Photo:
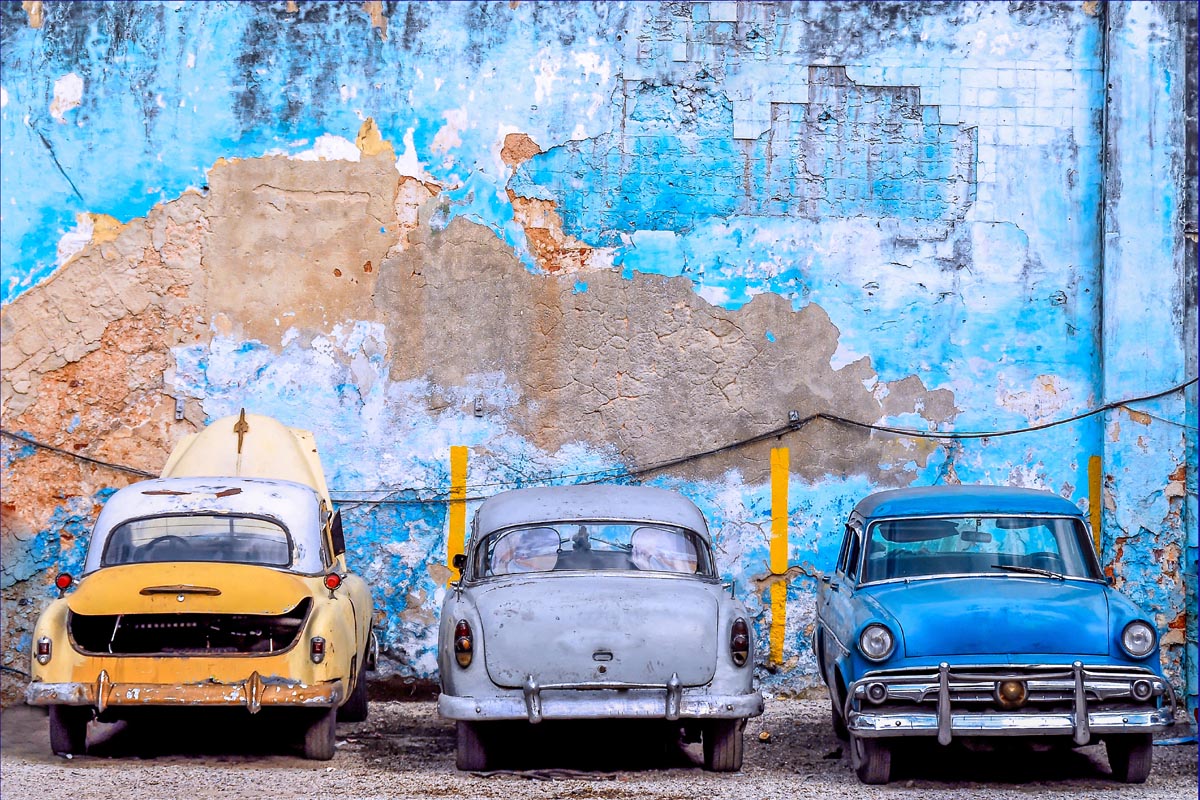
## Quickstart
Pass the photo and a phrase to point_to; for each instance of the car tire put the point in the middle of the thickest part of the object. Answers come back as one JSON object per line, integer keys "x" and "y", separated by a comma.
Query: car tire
{"x": 722, "y": 742}
{"x": 68, "y": 729}
{"x": 320, "y": 739}
{"x": 871, "y": 760}
{"x": 1130, "y": 756}
{"x": 839, "y": 722}
{"x": 471, "y": 751}
{"x": 355, "y": 709}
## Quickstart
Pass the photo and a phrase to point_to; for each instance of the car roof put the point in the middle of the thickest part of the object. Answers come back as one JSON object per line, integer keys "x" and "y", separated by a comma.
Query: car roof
{"x": 960, "y": 499}
{"x": 295, "y": 505}
{"x": 588, "y": 502}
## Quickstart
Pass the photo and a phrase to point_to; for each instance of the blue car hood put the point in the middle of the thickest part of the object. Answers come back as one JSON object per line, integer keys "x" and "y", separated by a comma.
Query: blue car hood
{"x": 1000, "y": 614}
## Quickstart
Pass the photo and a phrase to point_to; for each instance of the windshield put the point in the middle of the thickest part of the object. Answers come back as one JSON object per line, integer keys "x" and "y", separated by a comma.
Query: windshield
{"x": 913, "y": 548}
{"x": 199, "y": 537}
{"x": 630, "y": 546}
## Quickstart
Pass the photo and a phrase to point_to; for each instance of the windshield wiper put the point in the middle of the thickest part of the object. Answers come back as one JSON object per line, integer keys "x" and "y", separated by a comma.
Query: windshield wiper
{"x": 1030, "y": 571}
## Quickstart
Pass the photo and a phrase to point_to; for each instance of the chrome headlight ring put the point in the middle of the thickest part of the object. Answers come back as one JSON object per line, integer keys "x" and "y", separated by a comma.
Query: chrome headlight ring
{"x": 876, "y": 642}
{"x": 1138, "y": 638}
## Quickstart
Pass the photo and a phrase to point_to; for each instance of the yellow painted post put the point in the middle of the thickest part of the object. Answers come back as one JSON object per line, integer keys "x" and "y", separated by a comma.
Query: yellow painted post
{"x": 457, "y": 537}
{"x": 779, "y": 550}
{"x": 1095, "y": 498}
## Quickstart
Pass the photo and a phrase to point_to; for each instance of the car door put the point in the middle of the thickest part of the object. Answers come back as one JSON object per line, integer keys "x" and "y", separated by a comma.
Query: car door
{"x": 836, "y": 608}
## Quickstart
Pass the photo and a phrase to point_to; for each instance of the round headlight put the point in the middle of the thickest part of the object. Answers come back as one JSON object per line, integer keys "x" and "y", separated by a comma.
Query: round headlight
{"x": 1138, "y": 639}
{"x": 876, "y": 642}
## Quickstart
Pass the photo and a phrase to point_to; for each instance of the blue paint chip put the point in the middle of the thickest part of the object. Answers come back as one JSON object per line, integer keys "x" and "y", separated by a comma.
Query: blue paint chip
{"x": 580, "y": 287}
{"x": 770, "y": 336}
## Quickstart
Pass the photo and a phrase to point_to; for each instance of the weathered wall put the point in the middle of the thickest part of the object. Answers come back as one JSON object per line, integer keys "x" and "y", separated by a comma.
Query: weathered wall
{"x": 586, "y": 243}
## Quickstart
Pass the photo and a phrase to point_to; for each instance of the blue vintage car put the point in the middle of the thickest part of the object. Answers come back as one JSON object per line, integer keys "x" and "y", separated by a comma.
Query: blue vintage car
{"x": 981, "y": 611}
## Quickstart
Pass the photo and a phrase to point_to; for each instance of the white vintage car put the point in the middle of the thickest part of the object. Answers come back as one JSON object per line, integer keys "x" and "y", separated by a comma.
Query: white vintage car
{"x": 603, "y": 602}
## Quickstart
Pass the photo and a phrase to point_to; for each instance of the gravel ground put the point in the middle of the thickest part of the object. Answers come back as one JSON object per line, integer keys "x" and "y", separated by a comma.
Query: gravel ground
{"x": 406, "y": 751}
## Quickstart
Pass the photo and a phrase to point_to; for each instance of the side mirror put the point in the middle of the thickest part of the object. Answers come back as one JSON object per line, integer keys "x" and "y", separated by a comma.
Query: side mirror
{"x": 337, "y": 535}
{"x": 459, "y": 562}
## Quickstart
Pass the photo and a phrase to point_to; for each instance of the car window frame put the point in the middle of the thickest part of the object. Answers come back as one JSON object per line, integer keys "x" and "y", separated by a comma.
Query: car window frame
{"x": 264, "y": 517}
{"x": 476, "y": 551}
{"x": 1082, "y": 532}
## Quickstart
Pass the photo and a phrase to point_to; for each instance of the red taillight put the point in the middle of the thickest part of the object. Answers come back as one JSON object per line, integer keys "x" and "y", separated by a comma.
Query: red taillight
{"x": 317, "y": 649}
{"x": 739, "y": 642}
{"x": 463, "y": 645}
{"x": 43, "y": 650}
{"x": 333, "y": 581}
{"x": 63, "y": 581}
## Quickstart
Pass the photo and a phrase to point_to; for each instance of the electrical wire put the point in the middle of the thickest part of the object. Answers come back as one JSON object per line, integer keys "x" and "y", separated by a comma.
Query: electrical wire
{"x": 635, "y": 472}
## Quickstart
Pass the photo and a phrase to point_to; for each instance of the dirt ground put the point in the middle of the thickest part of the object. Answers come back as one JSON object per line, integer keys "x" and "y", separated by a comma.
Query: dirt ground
{"x": 406, "y": 751}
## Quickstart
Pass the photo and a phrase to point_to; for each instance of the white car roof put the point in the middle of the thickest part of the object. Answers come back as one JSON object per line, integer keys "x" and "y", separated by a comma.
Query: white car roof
{"x": 590, "y": 502}
{"x": 293, "y": 505}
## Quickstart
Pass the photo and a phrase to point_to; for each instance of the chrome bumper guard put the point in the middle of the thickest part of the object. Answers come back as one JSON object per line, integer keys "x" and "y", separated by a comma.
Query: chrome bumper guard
{"x": 1089, "y": 691}
{"x": 536, "y": 702}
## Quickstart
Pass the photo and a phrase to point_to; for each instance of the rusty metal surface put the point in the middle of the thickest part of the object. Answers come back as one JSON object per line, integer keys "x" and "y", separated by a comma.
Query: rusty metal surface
{"x": 253, "y": 693}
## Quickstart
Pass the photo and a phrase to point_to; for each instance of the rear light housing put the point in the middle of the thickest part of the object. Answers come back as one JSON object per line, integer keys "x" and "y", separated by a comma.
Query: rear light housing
{"x": 739, "y": 642}
{"x": 45, "y": 649}
{"x": 63, "y": 582}
{"x": 464, "y": 644}
{"x": 316, "y": 649}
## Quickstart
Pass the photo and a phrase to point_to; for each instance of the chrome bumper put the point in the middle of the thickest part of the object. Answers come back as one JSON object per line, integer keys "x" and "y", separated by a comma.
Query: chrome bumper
{"x": 1099, "y": 700}
{"x": 253, "y": 693}
{"x": 537, "y": 702}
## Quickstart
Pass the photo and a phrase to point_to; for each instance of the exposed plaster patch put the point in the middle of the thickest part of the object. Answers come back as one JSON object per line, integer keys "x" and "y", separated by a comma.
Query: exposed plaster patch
{"x": 374, "y": 10}
{"x": 639, "y": 363}
{"x": 407, "y": 163}
{"x": 518, "y": 147}
{"x": 552, "y": 249}
{"x": 447, "y": 136}
{"x": 328, "y": 147}
{"x": 1047, "y": 399}
{"x": 68, "y": 94}
{"x": 33, "y": 9}
{"x": 75, "y": 239}
{"x": 370, "y": 140}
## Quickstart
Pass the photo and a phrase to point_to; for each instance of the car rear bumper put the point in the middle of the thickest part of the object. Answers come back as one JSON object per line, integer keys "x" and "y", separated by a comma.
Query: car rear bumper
{"x": 1076, "y": 700}
{"x": 253, "y": 693}
{"x": 536, "y": 703}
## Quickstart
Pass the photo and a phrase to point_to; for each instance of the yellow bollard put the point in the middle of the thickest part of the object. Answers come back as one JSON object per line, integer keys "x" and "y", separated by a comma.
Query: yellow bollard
{"x": 457, "y": 536}
{"x": 779, "y": 550}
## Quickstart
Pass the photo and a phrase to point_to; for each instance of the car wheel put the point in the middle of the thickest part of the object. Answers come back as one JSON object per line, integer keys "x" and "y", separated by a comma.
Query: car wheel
{"x": 471, "y": 753}
{"x": 871, "y": 759}
{"x": 320, "y": 738}
{"x": 839, "y": 722}
{"x": 723, "y": 745}
{"x": 355, "y": 708}
{"x": 1130, "y": 756}
{"x": 68, "y": 729}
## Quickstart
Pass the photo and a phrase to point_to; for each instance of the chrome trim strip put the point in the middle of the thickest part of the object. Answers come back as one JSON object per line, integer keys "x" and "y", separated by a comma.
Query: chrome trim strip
{"x": 867, "y": 724}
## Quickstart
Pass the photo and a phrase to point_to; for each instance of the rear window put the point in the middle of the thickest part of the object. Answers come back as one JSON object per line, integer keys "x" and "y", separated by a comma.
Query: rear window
{"x": 620, "y": 546}
{"x": 199, "y": 537}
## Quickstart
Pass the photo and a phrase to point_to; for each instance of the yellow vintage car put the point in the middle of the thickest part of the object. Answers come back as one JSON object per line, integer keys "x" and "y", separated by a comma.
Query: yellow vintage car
{"x": 222, "y": 583}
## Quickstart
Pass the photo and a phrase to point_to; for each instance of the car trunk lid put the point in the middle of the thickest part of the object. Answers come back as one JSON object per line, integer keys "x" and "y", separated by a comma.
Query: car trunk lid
{"x": 177, "y": 587}
{"x": 587, "y": 629}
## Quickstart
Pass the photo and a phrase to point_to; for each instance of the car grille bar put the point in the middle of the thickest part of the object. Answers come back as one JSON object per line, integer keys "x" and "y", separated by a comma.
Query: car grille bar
{"x": 945, "y": 693}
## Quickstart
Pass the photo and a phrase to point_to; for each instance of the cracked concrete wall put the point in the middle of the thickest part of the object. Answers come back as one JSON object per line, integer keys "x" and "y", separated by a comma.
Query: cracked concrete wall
{"x": 580, "y": 244}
